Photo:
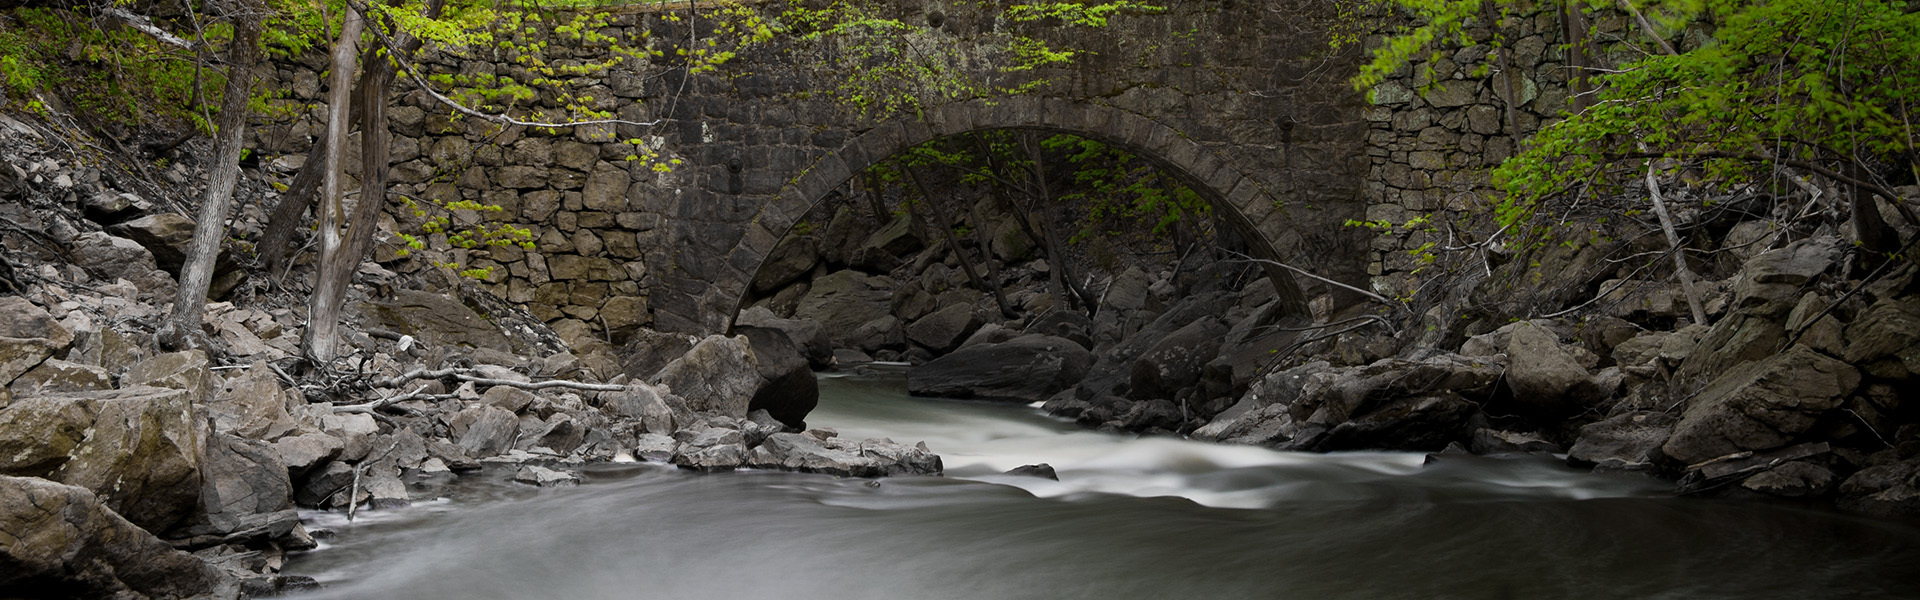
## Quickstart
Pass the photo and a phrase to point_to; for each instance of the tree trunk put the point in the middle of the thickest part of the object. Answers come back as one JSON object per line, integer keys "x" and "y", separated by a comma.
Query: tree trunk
{"x": 1679, "y": 256}
{"x": 946, "y": 230}
{"x": 981, "y": 238}
{"x": 323, "y": 306}
{"x": 183, "y": 327}
{"x": 1575, "y": 24}
{"x": 1056, "y": 251}
{"x": 1878, "y": 240}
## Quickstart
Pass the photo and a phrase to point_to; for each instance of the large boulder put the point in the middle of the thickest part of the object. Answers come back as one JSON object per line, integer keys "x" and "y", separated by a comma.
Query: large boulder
{"x": 719, "y": 375}
{"x": 1029, "y": 368}
{"x": 61, "y": 541}
{"x": 1175, "y": 362}
{"x": 1394, "y": 404}
{"x": 1543, "y": 375}
{"x": 789, "y": 390}
{"x": 791, "y": 258}
{"x": 484, "y": 430}
{"x": 648, "y": 351}
{"x": 943, "y": 330}
{"x": 139, "y": 448}
{"x": 28, "y": 335}
{"x": 252, "y": 405}
{"x": 808, "y": 336}
{"x": 1885, "y": 339}
{"x": 168, "y": 236}
{"x": 1760, "y": 405}
{"x": 110, "y": 258}
{"x": 882, "y": 251}
{"x": 57, "y": 375}
{"x": 843, "y": 301}
{"x": 436, "y": 319}
{"x": 187, "y": 370}
{"x": 245, "y": 492}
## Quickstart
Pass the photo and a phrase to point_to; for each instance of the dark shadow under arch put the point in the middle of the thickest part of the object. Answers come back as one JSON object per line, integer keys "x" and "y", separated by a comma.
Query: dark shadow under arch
{"x": 1247, "y": 205}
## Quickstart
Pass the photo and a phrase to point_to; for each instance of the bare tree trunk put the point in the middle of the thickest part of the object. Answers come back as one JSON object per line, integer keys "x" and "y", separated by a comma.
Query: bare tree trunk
{"x": 183, "y": 327}
{"x": 1575, "y": 24}
{"x": 323, "y": 306}
{"x": 1679, "y": 258}
{"x": 876, "y": 202}
{"x": 986, "y": 255}
{"x": 1055, "y": 250}
{"x": 946, "y": 229}
{"x": 1878, "y": 240}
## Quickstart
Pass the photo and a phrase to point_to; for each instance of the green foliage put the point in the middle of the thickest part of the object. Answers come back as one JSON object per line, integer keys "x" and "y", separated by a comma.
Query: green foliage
{"x": 112, "y": 74}
{"x": 1780, "y": 84}
{"x": 886, "y": 66}
{"x": 1121, "y": 187}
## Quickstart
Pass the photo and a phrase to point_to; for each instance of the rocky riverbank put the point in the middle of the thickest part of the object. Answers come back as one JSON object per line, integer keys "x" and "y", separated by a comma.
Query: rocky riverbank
{"x": 133, "y": 472}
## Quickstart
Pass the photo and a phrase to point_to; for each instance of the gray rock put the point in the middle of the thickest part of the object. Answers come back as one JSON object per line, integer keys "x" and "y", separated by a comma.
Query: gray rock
{"x": 943, "y": 330}
{"x": 1031, "y": 368}
{"x": 834, "y": 456}
{"x": 1041, "y": 470}
{"x": 326, "y": 487}
{"x": 436, "y": 319}
{"x": 166, "y": 235}
{"x": 1176, "y": 361}
{"x": 895, "y": 239}
{"x": 808, "y": 336}
{"x": 1798, "y": 479}
{"x": 251, "y": 404}
{"x": 511, "y": 398}
{"x": 384, "y": 489}
{"x": 792, "y": 257}
{"x": 1494, "y": 441}
{"x": 484, "y": 430}
{"x": 1543, "y": 375}
{"x": 1885, "y": 339}
{"x": 301, "y": 453}
{"x": 645, "y": 403}
{"x": 788, "y": 390}
{"x": 723, "y": 457}
{"x": 178, "y": 370}
{"x": 1760, "y": 405}
{"x": 245, "y": 492}
{"x": 655, "y": 447}
{"x": 545, "y": 477}
{"x": 719, "y": 376}
{"x": 648, "y": 351}
{"x": 22, "y": 319}
{"x": 139, "y": 448}
{"x": 63, "y": 541}
{"x": 55, "y": 375}
{"x": 1625, "y": 442}
{"x": 110, "y": 258}
{"x": 843, "y": 301}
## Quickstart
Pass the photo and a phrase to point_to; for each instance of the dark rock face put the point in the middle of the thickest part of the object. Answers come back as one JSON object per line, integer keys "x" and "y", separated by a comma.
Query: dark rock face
{"x": 1397, "y": 404}
{"x": 1176, "y": 361}
{"x": 648, "y": 351}
{"x": 841, "y": 302}
{"x": 1544, "y": 376}
{"x": 943, "y": 330}
{"x": 1760, "y": 405}
{"x": 789, "y": 391}
{"x": 61, "y": 541}
{"x": 793, "y": 257}
{"x": 1030, "y": 368}
{"x": 1041, "y": 470}
{"x": 808, "y": 336}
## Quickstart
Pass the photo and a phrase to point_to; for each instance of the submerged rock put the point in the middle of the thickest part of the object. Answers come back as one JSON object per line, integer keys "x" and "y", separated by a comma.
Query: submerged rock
{"x": 810, "y": 453}
{"x": 545, "y": 477}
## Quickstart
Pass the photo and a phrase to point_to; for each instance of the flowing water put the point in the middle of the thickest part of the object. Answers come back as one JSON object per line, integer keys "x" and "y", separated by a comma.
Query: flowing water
{"x": 1130, "y": 518}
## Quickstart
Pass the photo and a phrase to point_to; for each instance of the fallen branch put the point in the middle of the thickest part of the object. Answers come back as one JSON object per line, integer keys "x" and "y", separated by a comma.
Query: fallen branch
{"x": 369, "y": 407}
{"x": 541, "y": 385}
{"x": 1304, "y": 273}
{"x": 141, "y": 23}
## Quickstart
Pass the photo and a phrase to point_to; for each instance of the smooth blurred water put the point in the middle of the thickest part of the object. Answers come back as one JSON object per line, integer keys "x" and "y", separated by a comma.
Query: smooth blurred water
{"x": 1130, "y": 518}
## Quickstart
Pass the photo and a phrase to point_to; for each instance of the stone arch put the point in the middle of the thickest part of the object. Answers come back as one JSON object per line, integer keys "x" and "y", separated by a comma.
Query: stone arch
{"x": 1242, "y": 199}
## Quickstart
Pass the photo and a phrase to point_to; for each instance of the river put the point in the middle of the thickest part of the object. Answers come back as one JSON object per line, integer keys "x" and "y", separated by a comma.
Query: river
{"x": 1130, "y": 518}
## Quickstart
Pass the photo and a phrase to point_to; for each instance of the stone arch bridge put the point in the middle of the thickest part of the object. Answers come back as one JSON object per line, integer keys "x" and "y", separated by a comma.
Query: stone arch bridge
{"x": 1246, "y": 100}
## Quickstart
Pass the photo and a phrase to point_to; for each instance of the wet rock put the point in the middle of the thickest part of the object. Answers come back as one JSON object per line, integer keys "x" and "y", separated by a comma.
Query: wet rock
{"x": 1886, "y": 490}
{"x": 833, "y": 456}
{"x": 545, "y": 477}
{"x": 1031, "y": 368}
{"x": 1543, "y": 375}
{"x": 1393, "y": 403}
{"x": 62, "y": 541}
{"x": 384, "y": 489}
{"x": 1798, "y": 479}
{"x": 655, "y": 447}
{"x": 1625, "y": 442}
{"x": 722, "y": 457}
{"x": 1041, "y": 470}
{"x": 719, "y": 375}
{"x": 943, "y": 330}
{"x": 326, "y": 487}
{"x": 1494, "y": 441}
{"x": 1760, "y": 405}
{"x": 788, "y": 390}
